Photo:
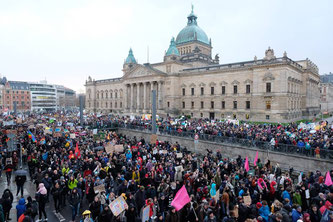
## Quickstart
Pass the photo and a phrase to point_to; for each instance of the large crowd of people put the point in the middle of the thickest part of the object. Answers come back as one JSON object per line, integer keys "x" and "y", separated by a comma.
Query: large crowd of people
{"x": 68, "y": 162}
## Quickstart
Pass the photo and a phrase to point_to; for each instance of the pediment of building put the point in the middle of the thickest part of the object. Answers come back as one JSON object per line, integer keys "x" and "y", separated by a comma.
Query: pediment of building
{"x": 142, "y": 71}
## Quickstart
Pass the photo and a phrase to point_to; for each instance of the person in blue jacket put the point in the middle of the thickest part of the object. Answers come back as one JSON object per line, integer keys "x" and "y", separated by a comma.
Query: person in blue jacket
{"x": 20, "y": 207}
{"x": 296, "y": 214}
{"x": 264, "y": 211}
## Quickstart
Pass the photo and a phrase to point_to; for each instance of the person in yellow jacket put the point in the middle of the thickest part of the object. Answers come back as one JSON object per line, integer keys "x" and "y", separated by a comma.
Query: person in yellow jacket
{"x": 136, "y": 176}
{"x": 72, "y": 183}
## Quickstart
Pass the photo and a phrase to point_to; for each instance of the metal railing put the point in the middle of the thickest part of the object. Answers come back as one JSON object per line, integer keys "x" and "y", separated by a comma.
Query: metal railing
{"x": 247, "y": 142}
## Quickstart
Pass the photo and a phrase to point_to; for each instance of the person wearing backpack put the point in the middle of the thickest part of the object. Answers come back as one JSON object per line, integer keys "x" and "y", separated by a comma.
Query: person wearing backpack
{"x": 41, "y": 197}
{"x": 6, "y": 202}
{"x": 33, "y": 205}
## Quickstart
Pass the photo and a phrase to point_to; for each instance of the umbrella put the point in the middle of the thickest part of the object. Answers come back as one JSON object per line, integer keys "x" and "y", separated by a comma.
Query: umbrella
{"x": 98, "y": 148}
{"x": 21, "y": 172}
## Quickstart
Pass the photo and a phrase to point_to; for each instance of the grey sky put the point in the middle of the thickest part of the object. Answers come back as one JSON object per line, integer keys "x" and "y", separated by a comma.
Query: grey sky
{"x": 65, "y": 41}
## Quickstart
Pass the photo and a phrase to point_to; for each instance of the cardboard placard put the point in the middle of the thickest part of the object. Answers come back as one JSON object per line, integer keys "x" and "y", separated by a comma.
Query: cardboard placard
{"x": 118, "y": 205}
{"x": 145, "y": 214}
{"x": 163, "y": 152}
{"x": 48, "y": 131}
{"x": 99, "y": 188}
{"x": 153, "y": 138}
{"x": 18, "y": 120}
{"x": 119, "y": 148}
{"x": 247, "y": 200}
{"x": 109, "y": 148}
{"x": 31, "y": 127}
{"x": 179, "y": 155}
{"x": 57, "y": 134}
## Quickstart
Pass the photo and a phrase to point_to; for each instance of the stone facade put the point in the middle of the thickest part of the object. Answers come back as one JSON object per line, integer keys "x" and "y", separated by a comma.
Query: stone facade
{"x": 326, "y": 97}
{"x": 190, "y": 82}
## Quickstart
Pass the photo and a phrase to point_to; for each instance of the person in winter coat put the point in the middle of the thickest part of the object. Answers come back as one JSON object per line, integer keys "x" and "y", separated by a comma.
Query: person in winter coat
{"x": 9, "y": 169}
{"x": 140, "y": 198}
{"x": 106, "y": 214}
{"x": 74, "y": 201}
{"x": 172, "y": 216}
{"x": 2, "y": 215}
{"x": 264, "y": 211}
{"x": 56, "y": 193}
{"x": 20, "y": 180}
{"x": 296, "y": 214}
{"x": 210, "y": 218}
{"x": 130, "y": 213}
{"x": 6, "y": 202}
{"x": 20, "y": 207}
{"x": 315, "y": 214}
{"x": 41, "y": 197}
{"x": 33, "y": 205}
{"x": 95, "y": 208}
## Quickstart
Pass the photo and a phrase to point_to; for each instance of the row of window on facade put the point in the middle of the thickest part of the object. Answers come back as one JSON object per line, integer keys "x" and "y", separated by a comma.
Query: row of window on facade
{"x": 106, "y": 105}
{"x": 235, "y": 90}
{"x": 106, "y": 95}
{"x": 17, "y": 92}
{"x": 17, "y": 97}
{"x": 223, "y": 105}
{"x": 234, "y": 116}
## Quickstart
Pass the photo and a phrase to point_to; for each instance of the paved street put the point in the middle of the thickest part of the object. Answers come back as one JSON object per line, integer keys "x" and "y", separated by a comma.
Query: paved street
{"x": 30, "y": 190}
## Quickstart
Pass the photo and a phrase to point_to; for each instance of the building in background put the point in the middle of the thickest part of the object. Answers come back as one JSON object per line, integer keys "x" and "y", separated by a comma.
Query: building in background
{"x": 43, "y": 96}
{"x": 325, "y": 78}
{"x": 326, "y": 97}
{"x": 66, "y": 98}
{"x": 189, "y": 81}
{"x": 16, "y": 92}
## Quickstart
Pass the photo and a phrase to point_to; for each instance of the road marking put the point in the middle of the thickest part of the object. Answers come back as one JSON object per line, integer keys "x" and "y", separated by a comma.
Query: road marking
{"x": 59, "y": 216}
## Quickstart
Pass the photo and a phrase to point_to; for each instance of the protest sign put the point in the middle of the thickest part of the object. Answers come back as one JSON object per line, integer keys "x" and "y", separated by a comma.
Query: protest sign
{"x": 119, "y": 148}
{"x": 118, "y": 205}
{"x": 247, "y": 200}
{"x": 72, "y": 136}
{"x": 179, "y": 155}
{"x": 109, "y": 148}
{"x": 145, "y": 214}
{"x": 99, "y": 188}
{"x": 153, "y": 138}
{"x": 94, "y": 131}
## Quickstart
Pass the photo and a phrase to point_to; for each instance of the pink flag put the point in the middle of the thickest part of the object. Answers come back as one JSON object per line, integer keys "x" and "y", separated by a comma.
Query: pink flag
{"x": 247, "y": 168}
{"x": 328, "y": 180}
{"x": 181, "y": 199}
{"x": 255, "y": 159}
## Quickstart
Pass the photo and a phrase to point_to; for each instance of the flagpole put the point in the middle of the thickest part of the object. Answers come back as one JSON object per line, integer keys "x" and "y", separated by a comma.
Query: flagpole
{"x": 196, "y": 217}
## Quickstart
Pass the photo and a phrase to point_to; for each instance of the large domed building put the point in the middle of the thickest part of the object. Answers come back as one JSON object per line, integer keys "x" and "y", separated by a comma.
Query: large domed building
{"x": 191, "y": 82}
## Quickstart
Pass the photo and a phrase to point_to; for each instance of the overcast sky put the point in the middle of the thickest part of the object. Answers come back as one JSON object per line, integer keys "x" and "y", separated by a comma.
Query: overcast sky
{"x": 65, "y": 41}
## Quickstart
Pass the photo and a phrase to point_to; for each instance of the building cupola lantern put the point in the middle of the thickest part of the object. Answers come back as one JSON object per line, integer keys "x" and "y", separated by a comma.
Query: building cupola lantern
{"x": 130, "y": 60}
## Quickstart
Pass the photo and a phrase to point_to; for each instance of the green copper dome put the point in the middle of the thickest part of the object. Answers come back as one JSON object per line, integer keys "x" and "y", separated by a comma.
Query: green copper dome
{"x": 192, "y": 31}
{"x": 130, "y": 58}
{"x": 172, "y": 48}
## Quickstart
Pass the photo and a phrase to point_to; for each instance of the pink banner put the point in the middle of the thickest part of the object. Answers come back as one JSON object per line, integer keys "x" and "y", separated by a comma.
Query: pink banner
{"x": 247, "y": 167}
{"x": 255, "y": 159}
{"x": 181, "y": 199}
{"x": 328, "y": 180}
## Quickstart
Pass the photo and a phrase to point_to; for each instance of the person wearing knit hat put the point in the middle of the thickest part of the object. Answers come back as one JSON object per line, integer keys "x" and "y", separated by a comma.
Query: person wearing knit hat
{"x": 258, "y": 205}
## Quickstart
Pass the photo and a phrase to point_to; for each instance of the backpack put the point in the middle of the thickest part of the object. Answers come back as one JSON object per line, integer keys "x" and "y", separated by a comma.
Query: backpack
{"x": 34, "y": 207}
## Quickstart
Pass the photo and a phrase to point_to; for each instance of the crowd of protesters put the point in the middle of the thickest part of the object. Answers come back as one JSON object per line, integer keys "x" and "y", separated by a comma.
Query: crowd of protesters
{"x": 315, "y": 139}
{"x": 150, "y": 173}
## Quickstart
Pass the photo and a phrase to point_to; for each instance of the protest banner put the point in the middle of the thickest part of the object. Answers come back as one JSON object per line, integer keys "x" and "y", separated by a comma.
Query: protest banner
{"x": 247, "y": 200}
{"x": 118, "y": 205}
{"x": 109, "y": 148}
{"x": 99, "y": 188}
{"x": 145, "y": 214}
{"x": 153, "y": 138}
{"x": 179, "y": 155}
{"x": 119, "y": 148}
